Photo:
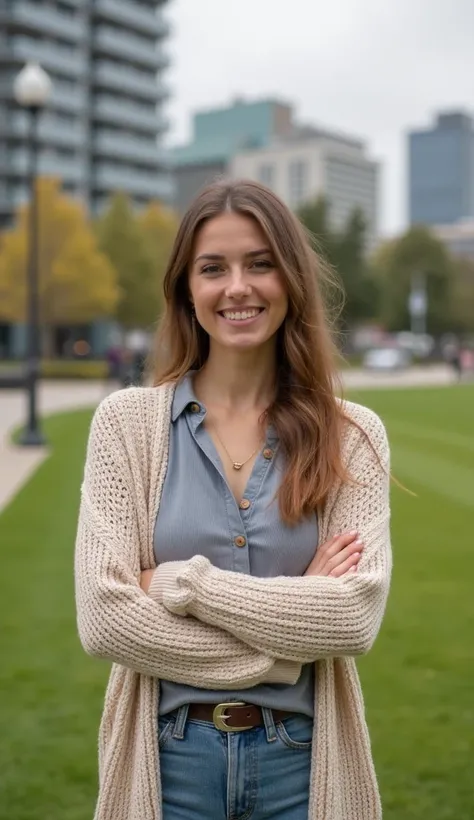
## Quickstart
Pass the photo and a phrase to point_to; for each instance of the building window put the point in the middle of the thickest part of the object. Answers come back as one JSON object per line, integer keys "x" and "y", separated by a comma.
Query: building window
{"x": 266, "y": 174}
{"x": 297, "y": 182}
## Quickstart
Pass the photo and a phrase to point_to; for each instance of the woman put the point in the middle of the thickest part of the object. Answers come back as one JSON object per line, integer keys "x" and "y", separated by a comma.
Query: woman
{"x": 234, "y": 692}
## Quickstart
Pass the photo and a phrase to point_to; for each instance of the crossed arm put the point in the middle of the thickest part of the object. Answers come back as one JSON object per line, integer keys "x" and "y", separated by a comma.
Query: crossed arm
{"x": 239, "y": 630}
{"x": 116, "y": 620}
{"x": 300, "y": 619}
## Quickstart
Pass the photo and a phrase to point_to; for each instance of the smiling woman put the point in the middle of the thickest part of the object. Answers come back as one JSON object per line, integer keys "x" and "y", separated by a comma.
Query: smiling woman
{"x": 240, "y": 249}
{"x": 240, "y": 297}
{"x": 233, "y": 547}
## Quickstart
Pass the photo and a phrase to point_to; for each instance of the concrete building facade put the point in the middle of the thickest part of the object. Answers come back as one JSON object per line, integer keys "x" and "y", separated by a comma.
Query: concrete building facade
{"x": 101, "y": 131}
{"x": 458, "y": 238}
{"x": 261, "y": 141}
{"x": 217, "y": 134}
{"x": 310, "y": 163}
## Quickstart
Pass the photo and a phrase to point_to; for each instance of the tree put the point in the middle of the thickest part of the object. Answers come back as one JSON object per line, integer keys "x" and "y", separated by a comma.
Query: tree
{"x": 122, "y": 240}
{"x": 462, "y": 295}
{"x": 345, "y": 251}
{"x": 350, "y": 259}
{"x": 77, "y": 283}
{"x": 159, "y": 226}
{"x": 418, "y": 251}
{"x": 315, "y": 217}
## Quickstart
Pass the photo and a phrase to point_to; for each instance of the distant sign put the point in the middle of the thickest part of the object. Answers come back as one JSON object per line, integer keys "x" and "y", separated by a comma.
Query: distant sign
{"x": 417, "y": 303}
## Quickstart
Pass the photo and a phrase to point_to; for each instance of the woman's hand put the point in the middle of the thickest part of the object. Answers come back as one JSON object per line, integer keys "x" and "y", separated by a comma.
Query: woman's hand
{"x": 145, "y": 579}
{"x": 338, "y": 556}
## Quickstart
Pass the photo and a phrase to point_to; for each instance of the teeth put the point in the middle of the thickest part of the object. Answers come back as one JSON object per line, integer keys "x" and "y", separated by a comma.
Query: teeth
{"x": 235, "y": 315}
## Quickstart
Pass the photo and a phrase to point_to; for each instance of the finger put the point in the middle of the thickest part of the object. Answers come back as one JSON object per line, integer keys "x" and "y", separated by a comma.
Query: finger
{"x": 332, "y": 557}
{"x": 333, "y": 546}
{"x": 343, "y": 555}
{"x": 349, "y": 565}
{"x": 329, "y": 542}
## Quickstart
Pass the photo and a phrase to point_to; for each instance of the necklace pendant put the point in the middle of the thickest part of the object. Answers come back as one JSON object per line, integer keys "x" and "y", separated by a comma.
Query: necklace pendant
{"x": 237, "y": 465}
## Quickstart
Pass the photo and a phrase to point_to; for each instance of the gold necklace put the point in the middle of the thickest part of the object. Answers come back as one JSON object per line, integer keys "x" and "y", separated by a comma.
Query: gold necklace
{"x": 237, "y": 465}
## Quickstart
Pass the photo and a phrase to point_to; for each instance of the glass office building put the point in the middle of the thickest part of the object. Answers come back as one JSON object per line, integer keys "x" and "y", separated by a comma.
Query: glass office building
{"x": 441, "y": 171}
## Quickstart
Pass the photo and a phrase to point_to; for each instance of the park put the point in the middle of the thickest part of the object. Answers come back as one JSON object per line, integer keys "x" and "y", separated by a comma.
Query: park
{"x": 417, "y": 680}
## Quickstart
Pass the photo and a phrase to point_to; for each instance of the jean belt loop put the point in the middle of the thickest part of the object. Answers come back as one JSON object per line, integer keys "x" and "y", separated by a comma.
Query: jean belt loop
{"x": 269, "y": 723}
{"x": 180, "y": 725}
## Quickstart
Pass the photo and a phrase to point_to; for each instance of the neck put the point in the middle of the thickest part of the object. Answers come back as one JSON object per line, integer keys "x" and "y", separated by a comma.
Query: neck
{"x": 236, "y": 380}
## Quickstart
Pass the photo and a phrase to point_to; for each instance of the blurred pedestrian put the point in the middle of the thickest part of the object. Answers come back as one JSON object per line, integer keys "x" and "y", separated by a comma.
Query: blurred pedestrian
{"x": 114, "y": 362}
{"x": 452, "y": 356}
{"x": 233, "y": 547}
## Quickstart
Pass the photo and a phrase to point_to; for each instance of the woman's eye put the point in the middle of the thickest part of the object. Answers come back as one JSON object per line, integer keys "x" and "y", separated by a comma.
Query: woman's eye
{"x": 211, "y": 269}
{"x": 263, "y": 264}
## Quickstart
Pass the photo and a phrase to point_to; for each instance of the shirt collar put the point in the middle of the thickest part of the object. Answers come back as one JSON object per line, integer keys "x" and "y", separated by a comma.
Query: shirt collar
{"x": 184, "y": 395}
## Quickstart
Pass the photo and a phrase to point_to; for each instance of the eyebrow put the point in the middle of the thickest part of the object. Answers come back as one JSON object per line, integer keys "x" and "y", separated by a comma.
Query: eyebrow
{"x": 217, "y": 257}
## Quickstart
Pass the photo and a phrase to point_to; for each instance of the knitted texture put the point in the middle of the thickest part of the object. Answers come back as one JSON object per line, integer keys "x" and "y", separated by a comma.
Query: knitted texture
{"x": 238, "y": 630}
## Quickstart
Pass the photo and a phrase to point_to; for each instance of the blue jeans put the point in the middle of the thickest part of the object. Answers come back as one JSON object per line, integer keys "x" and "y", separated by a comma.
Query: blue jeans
{"x": 259, "y": 774}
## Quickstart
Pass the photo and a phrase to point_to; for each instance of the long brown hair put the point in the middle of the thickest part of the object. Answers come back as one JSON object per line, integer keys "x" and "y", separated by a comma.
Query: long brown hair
{"x": 306, "y": 414}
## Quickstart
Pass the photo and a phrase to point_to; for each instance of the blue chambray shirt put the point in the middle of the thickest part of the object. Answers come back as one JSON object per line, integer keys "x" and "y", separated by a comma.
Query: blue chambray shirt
{"x": 199, "y": 515}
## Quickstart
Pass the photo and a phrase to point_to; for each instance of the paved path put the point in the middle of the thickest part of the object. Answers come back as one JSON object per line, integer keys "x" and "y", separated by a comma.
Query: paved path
{"x": 17, "y": 464}
{"x": 436, "y": 375}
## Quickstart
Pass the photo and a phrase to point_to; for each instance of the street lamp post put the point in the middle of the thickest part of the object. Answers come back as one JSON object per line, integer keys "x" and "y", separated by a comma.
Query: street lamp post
{"x": 418, "y": 304}
{"x": 32, "y": 91}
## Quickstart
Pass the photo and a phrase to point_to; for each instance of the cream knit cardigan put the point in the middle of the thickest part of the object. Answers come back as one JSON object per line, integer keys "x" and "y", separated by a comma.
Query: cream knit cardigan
{"x": 239, "y": 630}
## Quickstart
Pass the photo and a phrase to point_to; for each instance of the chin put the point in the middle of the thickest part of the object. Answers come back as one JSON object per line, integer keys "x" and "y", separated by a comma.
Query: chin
{"x": 242, "y": 344}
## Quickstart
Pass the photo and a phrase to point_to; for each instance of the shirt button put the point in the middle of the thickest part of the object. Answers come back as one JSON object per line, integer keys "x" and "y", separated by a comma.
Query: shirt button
{"x": 244, "y": 504}
{"x": 194, "y": 407}
{"x": 267, "y": 453}
{"x": 240, "y": 541}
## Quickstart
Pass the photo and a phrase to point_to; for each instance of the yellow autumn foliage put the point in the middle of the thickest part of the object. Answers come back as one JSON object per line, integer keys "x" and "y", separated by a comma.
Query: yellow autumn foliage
{"x": 77, "y": 282}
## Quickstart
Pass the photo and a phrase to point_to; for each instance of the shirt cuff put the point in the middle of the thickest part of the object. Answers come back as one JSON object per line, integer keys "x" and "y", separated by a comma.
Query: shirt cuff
{"x": 164, "y": 579}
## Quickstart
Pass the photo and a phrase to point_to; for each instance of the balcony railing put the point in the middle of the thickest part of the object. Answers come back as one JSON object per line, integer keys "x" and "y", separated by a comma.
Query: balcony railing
{"x": 137, "y": 183}
{"x": 67, "y": 100}
{"x": 128, "y": 47}
{"x": 49, "y": 56}
{"x": 136, "y": 17}
{"x": 50, "y": 21}
{"x": 111, "y": 145}
{"x": 50, "y": 131}
{"x": 125, "y": 78}
{"x": 70, "y": 170}
{"x": 122, "y": 113}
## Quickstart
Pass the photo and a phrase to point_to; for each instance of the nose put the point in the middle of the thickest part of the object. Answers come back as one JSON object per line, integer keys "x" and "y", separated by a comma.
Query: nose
{"x": 237, "y": 284}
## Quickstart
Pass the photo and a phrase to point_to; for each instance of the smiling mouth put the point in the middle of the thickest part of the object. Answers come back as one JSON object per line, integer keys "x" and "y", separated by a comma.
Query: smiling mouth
{"x": 241, "y": 315}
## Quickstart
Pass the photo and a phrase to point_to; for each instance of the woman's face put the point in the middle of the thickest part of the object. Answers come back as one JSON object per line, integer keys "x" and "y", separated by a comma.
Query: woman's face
{"x": 238, "y": 293}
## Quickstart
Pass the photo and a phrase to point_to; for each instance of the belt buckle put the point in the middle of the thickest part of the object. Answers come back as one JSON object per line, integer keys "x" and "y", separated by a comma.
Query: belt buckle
{"x": 220, "y": 718}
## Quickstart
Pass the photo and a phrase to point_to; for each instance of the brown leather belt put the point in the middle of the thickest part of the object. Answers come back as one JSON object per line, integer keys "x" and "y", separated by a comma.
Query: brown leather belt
{"x": 232, "y": 717}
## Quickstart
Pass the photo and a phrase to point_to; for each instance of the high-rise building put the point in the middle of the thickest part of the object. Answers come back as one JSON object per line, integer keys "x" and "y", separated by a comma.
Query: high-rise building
{"x": 217, "y": 134}
{"x": 101, "y": 131}
{"x": 261, "y": 140}
{"x": 441, "y": 171}
{"x": 311, "y": 162}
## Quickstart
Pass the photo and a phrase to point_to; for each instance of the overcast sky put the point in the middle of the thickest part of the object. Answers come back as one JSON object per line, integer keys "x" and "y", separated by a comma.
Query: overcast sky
{"x": 373, "y": 68}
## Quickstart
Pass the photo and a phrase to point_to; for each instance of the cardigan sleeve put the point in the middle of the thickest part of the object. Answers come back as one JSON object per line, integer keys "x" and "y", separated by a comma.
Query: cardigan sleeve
{"x": 304, "y": 618}
{"x": 116, "y": 619}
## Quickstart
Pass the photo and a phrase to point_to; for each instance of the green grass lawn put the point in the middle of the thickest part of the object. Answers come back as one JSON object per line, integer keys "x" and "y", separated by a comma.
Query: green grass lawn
{"x": 418, "y": 681}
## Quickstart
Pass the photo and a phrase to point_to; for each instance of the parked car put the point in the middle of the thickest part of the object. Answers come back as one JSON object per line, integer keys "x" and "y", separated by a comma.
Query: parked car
{"x": 386, "y": 359}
